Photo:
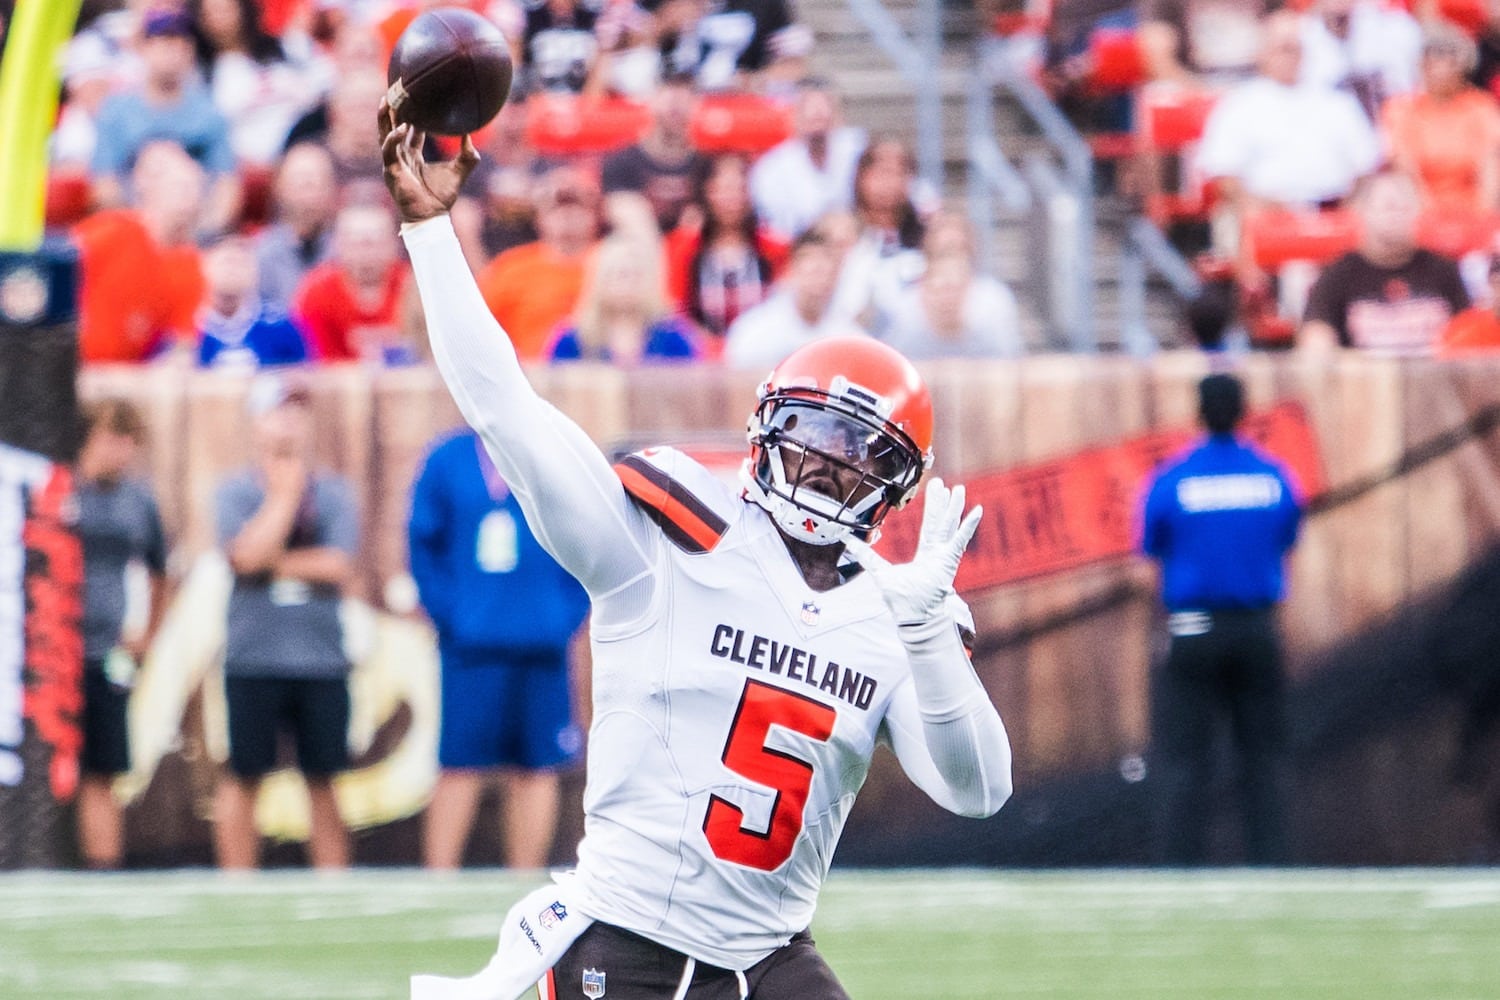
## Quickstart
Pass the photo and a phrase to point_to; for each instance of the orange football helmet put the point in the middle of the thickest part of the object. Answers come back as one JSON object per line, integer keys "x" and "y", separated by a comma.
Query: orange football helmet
{"x": 842, "y": 435}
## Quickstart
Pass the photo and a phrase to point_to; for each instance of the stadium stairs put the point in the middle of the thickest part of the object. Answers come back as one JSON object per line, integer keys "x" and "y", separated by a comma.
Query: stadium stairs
{"x": 880, "y": 100}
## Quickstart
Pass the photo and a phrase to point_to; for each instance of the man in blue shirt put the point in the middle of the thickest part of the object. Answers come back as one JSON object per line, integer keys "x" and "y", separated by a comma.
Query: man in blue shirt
{"x": 505, "y": 612}
{"x": 1220, "y": 521}
{"x": 236, "y": 328}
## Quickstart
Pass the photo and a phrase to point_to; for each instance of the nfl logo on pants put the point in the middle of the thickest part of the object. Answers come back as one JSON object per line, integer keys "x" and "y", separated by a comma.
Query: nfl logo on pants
{"x": 593, "y": 983}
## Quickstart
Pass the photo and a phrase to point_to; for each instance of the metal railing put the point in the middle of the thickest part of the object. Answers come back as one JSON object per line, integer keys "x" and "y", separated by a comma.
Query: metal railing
{"x": 1147, "y": 251}
{"x": 919, "y": 61}
{"x": 1060, "y": 186}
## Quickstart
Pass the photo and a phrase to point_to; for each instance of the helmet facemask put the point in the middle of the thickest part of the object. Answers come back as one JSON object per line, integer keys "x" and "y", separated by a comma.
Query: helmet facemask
{"x": 825, "y": 468}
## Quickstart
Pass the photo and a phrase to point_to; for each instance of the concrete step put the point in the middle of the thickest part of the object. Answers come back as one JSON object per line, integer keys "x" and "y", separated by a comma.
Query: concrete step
{"x": 879, "y": 99}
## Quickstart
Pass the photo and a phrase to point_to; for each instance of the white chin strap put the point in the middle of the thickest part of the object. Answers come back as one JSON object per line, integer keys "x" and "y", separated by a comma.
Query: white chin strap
{"x": 799, "y": 522}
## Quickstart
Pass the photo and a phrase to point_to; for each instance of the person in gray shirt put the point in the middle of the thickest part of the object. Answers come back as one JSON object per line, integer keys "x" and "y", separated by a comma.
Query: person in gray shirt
{"x": 120, "y": 529}
{"x": 290, "y": 533}
{"x": 301, "y": 237}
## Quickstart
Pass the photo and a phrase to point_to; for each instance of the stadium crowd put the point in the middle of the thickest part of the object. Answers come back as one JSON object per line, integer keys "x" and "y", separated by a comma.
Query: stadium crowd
{"x": 1259, "y": 135}
{"x": 660, "y": 168}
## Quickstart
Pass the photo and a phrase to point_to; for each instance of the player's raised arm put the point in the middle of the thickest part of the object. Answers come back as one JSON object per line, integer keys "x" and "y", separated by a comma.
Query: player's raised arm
{"x": 942, "y": 726}
{"x": 572, "y": 498}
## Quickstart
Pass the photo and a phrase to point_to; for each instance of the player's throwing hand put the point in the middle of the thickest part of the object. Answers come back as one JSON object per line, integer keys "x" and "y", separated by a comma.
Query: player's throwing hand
{"x": 422, "y": 190}
{"x": 915, "y": 591}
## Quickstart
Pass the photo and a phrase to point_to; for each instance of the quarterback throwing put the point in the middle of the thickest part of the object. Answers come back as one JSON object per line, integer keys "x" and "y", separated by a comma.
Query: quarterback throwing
{"x": 750, "y": 650}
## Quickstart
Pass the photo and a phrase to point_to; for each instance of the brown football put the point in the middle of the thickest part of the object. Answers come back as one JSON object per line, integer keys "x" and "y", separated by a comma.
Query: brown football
{"x": 449, "y": 72}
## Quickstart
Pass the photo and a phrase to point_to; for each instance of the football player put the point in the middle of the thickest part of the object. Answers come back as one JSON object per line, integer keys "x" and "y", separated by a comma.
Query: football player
{"x": 749, "y": 649}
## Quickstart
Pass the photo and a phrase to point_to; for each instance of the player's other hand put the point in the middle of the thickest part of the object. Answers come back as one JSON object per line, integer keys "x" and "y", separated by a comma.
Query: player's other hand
{"x": 915, "y": 591}
{"x": 422, "y": 190}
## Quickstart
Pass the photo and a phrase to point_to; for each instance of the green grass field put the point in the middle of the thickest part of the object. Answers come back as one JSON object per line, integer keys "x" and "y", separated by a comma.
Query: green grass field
{"x": 1365, "y": 935}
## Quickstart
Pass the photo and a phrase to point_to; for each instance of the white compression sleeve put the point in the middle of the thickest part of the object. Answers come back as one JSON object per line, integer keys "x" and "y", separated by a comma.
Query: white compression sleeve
{"x": 573, "y": 501}
{"x": 962, "y": 757}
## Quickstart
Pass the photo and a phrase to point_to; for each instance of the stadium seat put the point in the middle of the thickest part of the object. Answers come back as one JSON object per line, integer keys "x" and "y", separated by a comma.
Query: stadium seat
{"x": 1457, "y": 234}
{"x": 739, "y": 123}
{"x": 1170, "y": 120}
{"x": 566, "y": 125}
{"x": 1279, "y": 236}
{"x": 1467, "y": 15}
{"x": 1173, "y": 118}
{"x": 1115, "y": 61}
{"x": 69, "y": 196}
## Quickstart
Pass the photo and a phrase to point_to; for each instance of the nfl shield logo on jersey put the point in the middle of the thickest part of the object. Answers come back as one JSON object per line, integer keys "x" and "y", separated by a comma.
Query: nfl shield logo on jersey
{"x": 593, "y": 983}
{"x": 810, "y": 613}
{"x": 553, "y": 915}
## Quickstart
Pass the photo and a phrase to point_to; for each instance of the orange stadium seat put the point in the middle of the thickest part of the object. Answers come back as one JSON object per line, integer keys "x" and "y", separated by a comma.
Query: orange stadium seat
{"x": 1455, "y": 234}
{"x": 1116, "y": 62}
{"x": 565, "y": 125}
{"x": 1169, "y": 121}
{"x": 68, "y": 198}
{"x": 1468, "y": 15}
{"x": 739, "y": 123}
{"x": 1172, "y": 119}
{"x": 1280, "y": 236}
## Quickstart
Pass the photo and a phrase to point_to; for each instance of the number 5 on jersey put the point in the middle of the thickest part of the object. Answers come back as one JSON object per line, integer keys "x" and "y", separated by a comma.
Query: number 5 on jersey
{"x": 746, "y": 754}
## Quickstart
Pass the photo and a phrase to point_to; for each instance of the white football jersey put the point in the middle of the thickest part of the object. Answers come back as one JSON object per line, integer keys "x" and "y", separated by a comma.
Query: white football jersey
{"x": 731, "y": 729}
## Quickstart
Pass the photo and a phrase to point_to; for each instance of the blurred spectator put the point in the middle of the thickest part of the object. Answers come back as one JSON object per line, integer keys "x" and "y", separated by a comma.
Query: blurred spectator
{"x": 886, "y": 257}
{"x": 171, "y": 103}
{"x": 629, "y": 60}
{"x": 1207, "y": 41}
{"x": 1387, "y": 295}
{"x": 1366, "y": 47}
{"x": 1221, "y": 521}
{"x": 1447, "y": 136}
{"x": 255, "y": 86}
{"x": 730, "y": 44}
{"x": 628, "y": 213}
{"x": 1476, "y": 329}
{"x": 797, "y": 181}
{"x": 89, "y": 76}
{"x": 502, "y": 182}
{"x": 727, "y": 263}
{"x": 141, "y": 277}
{"x": 235, "y": 328}
{"x": 301, "y": 237}
{"x": 504, "y": 612}
{"x": 1273, "y": 142}
{"x": 121, "y": 532}
{"x": 797, "y": 313}
{"x": 662, "y": 164}
{"x": 559, "y": 45}
{"x": 290, "y": 533}
{"x": 532, "y": 288}
{"x": 110, "y": 40}
{"x": 622, "y": 316}
{"x": 952, "y": 311}
{"x": 1209, "y": 317}
{"x": 350, "y": 305}
{"x": 342, "y": 125}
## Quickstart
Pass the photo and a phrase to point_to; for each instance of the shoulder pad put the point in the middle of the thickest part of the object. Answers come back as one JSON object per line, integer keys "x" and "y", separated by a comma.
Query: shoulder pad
{"x": 691, "y": 505}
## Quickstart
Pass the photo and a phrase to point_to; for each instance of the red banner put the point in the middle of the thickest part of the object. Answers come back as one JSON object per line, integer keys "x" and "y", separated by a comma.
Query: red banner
{"x": 1068, "y": 512}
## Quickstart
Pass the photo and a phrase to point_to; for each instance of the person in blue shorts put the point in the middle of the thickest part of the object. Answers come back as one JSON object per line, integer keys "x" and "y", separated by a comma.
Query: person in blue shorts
{"x": 505, "y": 613}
